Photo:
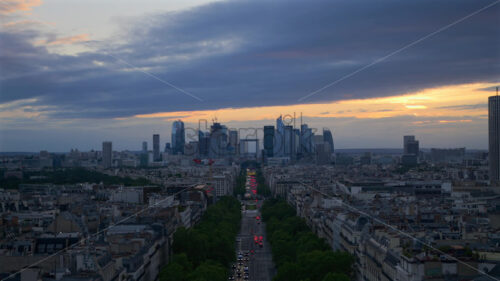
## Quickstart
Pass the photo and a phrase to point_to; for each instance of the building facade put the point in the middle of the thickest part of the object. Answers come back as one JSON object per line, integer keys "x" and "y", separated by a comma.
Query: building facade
{"x": 494, "y": 138}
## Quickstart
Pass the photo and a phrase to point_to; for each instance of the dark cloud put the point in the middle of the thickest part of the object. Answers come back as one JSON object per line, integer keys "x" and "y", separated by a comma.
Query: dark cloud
{"x": 465, "y": 106}
{"x": 255, "y": 53}
{"x": 491, "y": 89}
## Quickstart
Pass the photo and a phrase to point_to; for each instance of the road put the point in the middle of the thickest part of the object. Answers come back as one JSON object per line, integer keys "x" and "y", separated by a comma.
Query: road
{"x": 260, "y": 264}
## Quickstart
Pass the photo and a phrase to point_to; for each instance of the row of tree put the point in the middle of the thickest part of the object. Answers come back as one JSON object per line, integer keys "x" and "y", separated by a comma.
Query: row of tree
{"x": 204, "y": 252}
{"x": 69, "y": 176}
{"x": 239, "y": 189}
{"x": 262, "y": 188}
{"x": 297, "y": 252}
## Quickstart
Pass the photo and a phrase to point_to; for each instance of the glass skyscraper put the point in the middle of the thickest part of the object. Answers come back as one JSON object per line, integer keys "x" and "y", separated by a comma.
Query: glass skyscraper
{"x": 269, "y": 141}
{"x": 328, "y": 138}
{"x": 178, "y": 137}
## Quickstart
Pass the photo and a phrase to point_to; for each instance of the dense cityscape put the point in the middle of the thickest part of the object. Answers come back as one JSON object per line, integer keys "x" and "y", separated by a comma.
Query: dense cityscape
{"x": 397, "y": 214}
{"x": 249, "y": 140}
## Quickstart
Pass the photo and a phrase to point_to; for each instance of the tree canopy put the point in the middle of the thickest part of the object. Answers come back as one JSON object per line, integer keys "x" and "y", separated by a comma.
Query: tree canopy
{"x": 297, "y": 252}
{"x": 204, "y": 252}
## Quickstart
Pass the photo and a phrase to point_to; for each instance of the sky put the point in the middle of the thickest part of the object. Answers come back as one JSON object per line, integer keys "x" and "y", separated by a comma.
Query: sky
{"x": 76, "y": 73}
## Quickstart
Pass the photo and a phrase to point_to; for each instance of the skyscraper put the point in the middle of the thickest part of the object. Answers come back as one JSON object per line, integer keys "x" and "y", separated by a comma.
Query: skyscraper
{"x": 296, "y": 142}
{"x": 328, "y": 138}
{"x": 233, "y": 141}
{"x": 178, "y": 137}
{"x": 156, "y": 147}
{"x": 406, "y": 141}
{"x": 107, "y": 154}
{"x": 203, "y": 143}
{"x": 288, "y": 141}
{"x": 411, "y": 145}
{"x": 494, "y": 137}
{"x": 279, "y": 138}
{"x": 411, "y": 151}
{"x": 144, "y": 147}
{"x": 306, "y": 139}
{"x": 269, "y": 141}
{"x": 218, "y": 140}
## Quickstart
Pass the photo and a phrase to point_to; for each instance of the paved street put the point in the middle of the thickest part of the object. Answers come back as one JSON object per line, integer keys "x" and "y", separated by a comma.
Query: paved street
{"x": 260, "y": 264}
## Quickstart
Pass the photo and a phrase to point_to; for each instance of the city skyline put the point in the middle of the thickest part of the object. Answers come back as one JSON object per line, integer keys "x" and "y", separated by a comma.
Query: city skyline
{"x": 249, "y": 140}
{"x": 61, "y": 74}
{"x": 192, "y": 131}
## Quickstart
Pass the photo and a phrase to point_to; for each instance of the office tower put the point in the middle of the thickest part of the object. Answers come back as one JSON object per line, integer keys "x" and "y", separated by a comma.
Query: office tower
{"x": 323, "y": 152}
{"x": 269, "y": 141}
{"x": 494, "y": 137}
{"x": 288, "y": 142}
{"x": 144, "y": 147}
{"x": 411, "y": 145}
{"x": 411, "y": 150}
{"x": 406, "y": 140}
{"x": 203, "y": 143}
{"x": 178, "y": 137}
{"x": 107, "y": 154}
{"x": 296, "y": 142}
{"x": 317, "y": 139}
{"x": 156, "y": 147}
{"x": 218, "y": 140}
{"x": 328, "y": 138}
{"x": 168, "y": 148}
{"x": 306, "y": 139}
{"x": 279, "y": 138}
{"x": 233, "y": 141}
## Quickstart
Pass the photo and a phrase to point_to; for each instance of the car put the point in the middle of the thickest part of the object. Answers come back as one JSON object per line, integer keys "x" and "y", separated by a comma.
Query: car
{"x": 230, "y": 278}
{"x": 246, "y": 268}
{"x": 246, "y": 278}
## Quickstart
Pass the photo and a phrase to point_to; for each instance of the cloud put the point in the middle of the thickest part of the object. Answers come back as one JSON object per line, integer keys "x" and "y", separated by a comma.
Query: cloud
{"x": 17, "y": 23}
{"x": 65, "y": 40}
{"x": 465, "y": 106}
{"x": 455, "y": 121}
{"x": 417, "y": 106}
{"x": 241, "y": 54}
{"x": 491, "y": 89}
{"x": 12, "y": 6}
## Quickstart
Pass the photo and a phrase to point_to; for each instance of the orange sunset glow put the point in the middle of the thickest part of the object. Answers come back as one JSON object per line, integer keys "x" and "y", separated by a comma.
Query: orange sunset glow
{"x": 448, "y": 101}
